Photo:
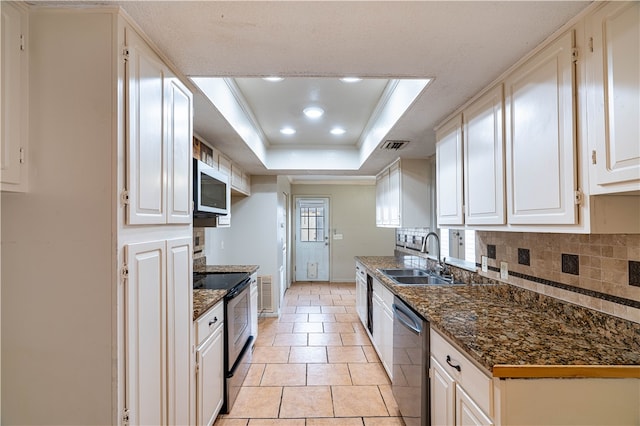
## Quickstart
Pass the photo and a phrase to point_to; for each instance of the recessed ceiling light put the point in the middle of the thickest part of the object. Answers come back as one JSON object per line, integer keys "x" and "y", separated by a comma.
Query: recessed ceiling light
{"x": 313, "y": 112}
{"x": 350, "y": 79}
{"x": 338, "y": 131}
{"x": 287, "y": 131}
{"x": 273, "y": 79}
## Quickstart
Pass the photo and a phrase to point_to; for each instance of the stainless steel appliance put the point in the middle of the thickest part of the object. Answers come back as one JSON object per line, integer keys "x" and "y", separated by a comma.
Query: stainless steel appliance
{"x": 211, "y": 191}
{"x": 370, "y": 303}
{"x": 237, "y": 328}
{"x": 410, "y": 384}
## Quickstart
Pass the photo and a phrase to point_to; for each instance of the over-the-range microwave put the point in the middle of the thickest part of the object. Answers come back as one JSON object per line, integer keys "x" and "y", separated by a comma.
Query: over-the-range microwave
{"x": 211, "y": 191}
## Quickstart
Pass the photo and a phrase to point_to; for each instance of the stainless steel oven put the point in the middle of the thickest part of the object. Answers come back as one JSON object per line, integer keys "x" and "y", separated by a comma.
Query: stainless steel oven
{"x": 237, "y": 327}
{"x": 410, "y": 384}
{"x": 238, "y": 340}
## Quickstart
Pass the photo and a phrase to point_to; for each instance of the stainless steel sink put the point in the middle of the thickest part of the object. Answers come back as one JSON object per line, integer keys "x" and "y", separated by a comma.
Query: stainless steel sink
{"x": 404, "y": 272}
{"x": 422, "y": 280}
{"x": 415, "y": 276}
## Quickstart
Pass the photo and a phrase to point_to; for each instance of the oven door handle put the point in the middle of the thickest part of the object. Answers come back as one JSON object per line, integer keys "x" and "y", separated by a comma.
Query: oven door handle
{"x": 247, "y": 346}
{"x": 400, "y": 315}
{"x": 238, "y": 289}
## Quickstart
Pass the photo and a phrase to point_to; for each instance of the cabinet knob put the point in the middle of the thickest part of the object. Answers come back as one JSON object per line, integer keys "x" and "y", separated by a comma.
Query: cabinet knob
{"x": 213, "y": 321}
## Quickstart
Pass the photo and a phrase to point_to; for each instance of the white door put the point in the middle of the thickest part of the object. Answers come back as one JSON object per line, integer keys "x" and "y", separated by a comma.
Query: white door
{"x": 145, "y": 130}
{"x": 312, "y": 239}
{"x": 613, "y": 88}
{"x": 484, "y": 160}
{"x": 179, "y": 340}
{"x": 145, "y": 333}
{"x": 179, "y": 184}
{"x": 449, "y": 175}
{"x": 540, "y": 138}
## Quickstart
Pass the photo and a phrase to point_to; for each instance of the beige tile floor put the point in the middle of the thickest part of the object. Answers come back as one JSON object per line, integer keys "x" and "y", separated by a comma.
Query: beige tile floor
{"x": 315, "y": 366}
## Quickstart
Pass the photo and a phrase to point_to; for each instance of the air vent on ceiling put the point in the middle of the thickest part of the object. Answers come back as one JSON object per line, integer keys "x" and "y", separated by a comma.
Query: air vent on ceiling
{"x": 393, "y": 145}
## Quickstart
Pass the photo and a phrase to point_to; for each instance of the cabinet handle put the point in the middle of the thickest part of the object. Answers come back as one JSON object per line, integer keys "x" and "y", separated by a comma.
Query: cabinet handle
{"x": 215, "y": 320}
{"x": 457, "y": 367}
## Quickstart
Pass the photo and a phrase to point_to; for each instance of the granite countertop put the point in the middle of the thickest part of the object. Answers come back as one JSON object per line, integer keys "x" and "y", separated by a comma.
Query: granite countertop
{"x": 500, "y": 326}
{"x": 204, "y": 299}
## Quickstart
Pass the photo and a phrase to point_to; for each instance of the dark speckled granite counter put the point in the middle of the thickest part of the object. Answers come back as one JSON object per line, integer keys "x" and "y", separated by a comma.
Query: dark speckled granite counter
{"x": 204, "y": 299}
{"x": 499, "y": 325}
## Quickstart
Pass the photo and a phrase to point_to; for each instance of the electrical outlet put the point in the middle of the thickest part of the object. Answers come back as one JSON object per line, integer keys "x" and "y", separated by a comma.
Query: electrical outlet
{"x": 504, "y": 270}
{"x": 485, "y": 267}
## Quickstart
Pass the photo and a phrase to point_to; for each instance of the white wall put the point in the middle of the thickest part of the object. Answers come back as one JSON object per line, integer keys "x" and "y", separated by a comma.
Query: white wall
{"x": 352, "y": 210}
{"x": 58, "y": 267}
{"x": 255, "y": 236}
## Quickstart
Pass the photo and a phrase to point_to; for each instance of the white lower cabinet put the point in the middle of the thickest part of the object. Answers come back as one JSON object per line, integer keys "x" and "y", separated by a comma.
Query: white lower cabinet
{"x": 158, "y": 328}
{"x": 460, "y": 393}
{"x": 443, "y": 393}
{"x": 253, "y": 304}
{"x": 383, "y": 325}
{"x": 468, "y": 412}
{"x": 210, "y": 365}
{"x": 361, "y": 293}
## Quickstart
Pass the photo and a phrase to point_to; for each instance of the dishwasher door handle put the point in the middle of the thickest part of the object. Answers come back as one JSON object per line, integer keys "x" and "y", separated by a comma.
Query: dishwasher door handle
{"x": 402, "y": 316}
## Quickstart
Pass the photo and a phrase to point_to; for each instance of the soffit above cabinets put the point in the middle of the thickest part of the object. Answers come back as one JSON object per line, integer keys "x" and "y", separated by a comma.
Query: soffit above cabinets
{"x": 461, "y": 45}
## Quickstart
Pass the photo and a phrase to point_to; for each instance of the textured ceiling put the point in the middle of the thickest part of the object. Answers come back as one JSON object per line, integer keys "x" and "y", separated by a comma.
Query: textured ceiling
{"x": 462, "y": 45}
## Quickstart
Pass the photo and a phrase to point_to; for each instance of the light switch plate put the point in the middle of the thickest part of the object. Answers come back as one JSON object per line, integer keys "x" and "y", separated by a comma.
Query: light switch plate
{"x": 485, "y": 268}
{"x": 504, "y": 270}
{"x": 337, "y": 236}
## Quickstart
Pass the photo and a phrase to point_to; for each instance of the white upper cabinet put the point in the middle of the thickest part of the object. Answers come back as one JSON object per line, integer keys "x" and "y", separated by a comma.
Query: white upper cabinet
{"x": 403, "y": 194}
{"x": 14, "y": 110}
{"x": 159, "y": 139}
{"x": 613, "y": 91}
{"x": 179, "y": 122}
{"x": 449, "y": 164}
{"x": 484, "y": 160}
{"x": 382, "y": 193}
{"x": 540, "y": 137}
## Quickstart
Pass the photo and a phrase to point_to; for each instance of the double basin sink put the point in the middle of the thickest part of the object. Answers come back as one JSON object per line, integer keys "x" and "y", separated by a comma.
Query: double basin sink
{"x": 416, "y": 277}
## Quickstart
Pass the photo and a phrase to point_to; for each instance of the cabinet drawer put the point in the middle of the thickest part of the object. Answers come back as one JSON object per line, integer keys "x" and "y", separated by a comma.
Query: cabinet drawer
{"x": 471, "y": 378}
{"x": 209, "y": 322}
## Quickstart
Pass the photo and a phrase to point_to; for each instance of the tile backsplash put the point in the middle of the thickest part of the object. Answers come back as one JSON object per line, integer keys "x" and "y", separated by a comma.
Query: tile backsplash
{"x": 199, "y": 258}
{"x": 597, "y": 271}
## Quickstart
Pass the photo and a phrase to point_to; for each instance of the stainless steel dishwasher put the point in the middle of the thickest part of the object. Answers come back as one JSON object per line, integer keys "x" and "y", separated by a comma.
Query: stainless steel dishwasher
{"x": 410, "y": 364}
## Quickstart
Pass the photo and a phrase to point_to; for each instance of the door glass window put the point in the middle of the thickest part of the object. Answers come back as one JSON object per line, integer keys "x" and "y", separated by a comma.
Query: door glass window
{"x": 311, "y": 224}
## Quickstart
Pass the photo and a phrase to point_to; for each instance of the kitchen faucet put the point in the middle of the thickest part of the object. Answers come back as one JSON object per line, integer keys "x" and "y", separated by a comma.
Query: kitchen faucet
{"x": 440, "y": 264}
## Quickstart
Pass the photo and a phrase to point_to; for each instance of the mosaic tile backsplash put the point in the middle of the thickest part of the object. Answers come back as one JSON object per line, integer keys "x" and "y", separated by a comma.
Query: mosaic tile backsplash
{"x": 600, "y": 272}
{"x": 597, "y": 271}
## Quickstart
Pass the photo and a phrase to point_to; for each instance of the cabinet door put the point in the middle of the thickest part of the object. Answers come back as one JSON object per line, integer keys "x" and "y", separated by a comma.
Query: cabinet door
{"x": 484, "y": 160}
{"x": 146, "y": 156}
{"x": 380, "y": 198}
{"x": 377, "y": 323}
{"x": 210, "y": 377}
{"x": 443, "y": 387}
{"x": 393, "y": 195}
{"x": 179, "y": 333}
{"x": 467, "y": 411}
{"x": 613, "y": 107}
{"x": 387, "y": 340}
{"x": 179, "y": 122}
{"x": 254, "y": 306}
{"x": 540, "y": 138}
{"x": 14, "y": 108}
{"x": 449, "y": 163}
{"x": 145, "y": 333}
